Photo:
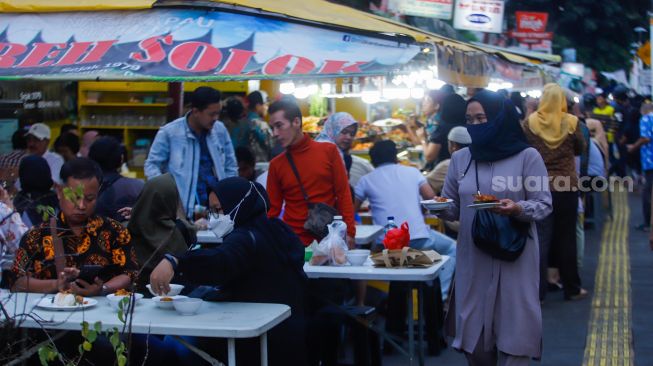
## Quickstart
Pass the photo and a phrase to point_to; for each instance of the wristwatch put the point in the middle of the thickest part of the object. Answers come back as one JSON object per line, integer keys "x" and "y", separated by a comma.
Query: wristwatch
{"x": 105, "y": 290}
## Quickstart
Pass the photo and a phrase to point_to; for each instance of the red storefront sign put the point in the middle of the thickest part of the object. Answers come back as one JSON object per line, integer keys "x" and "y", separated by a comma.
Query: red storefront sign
{"x": 530, "y": 22}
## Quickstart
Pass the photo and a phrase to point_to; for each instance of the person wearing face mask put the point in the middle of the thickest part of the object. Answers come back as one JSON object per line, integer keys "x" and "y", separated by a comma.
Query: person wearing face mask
{"x": 260, "y": 260}
{"x": 158, "y": 225}
{"x": 497, "y": 317}
{"x": 196, "y": 149}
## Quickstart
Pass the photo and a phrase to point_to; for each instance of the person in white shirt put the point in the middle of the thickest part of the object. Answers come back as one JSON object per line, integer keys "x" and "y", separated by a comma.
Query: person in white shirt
{"x": 38, "y": 140}
{"x": 396, "y": 190}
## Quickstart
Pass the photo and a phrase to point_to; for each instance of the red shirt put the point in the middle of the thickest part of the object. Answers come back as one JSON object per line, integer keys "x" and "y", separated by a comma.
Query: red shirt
{"x": 324, "y": 178}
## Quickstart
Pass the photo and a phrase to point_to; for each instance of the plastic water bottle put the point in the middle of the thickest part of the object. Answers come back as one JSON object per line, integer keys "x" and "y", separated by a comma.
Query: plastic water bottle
{"x": 390, "y": 225}
{"x": 341, "y": 226}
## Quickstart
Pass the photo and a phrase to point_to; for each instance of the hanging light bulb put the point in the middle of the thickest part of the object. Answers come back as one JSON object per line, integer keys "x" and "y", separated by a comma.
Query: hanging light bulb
{"x": 287, "y": 87}
{"x": 325, "y": 88}
{"x": 417, "y": 93}
{"x": 434, "y": 84}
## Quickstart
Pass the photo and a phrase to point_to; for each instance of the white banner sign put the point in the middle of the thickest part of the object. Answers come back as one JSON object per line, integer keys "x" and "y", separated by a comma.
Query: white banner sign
{"x": 479, "y": 15}
{"x": 442, "y": 9}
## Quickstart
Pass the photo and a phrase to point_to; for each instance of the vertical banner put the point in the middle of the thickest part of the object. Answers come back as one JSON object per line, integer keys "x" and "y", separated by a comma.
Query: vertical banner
{"x": 441, "y": 9}
{"x": 479, "y": 15}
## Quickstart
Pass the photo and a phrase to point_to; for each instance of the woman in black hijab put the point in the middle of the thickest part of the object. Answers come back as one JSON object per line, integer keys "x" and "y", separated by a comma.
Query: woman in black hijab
{"x": 36, "y": 190}
{"x": 496, "y": 305}
{"x": 261, "y": 261}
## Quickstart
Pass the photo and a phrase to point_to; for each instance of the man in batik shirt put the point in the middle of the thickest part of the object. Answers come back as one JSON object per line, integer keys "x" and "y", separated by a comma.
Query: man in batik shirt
{"x": 87, "y": 239}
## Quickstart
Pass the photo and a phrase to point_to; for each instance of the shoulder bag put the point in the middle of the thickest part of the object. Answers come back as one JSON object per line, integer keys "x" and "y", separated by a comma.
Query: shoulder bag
{"x": 499, "y": 236}
{"x": 319, "y": 214}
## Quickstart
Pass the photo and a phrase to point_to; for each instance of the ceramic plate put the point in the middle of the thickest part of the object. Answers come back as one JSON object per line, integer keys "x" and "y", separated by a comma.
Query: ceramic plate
{"x": 483, "y": 206}
{"x": 48, "y": 304}
{"x": 432, "y": 205}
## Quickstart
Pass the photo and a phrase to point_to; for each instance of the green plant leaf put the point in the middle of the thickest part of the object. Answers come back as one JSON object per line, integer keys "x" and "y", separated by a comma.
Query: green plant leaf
{"x": 91, "y": 336}
{"x": 122, "y": 360}
{"x": 98, "y": 327}
{"x": 121, "y": 348}
{"x": 43, "y": 355}
{"x": 114, "y": 338}
{"x": 84, "y": 329}
{"x": 121, "y": 316}
{"x": 87, "y": 346}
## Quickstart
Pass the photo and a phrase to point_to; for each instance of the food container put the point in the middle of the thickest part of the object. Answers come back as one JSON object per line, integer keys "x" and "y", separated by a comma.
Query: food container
{"x": 174, "y": 290}
{"x": 163, "y": 303}
{"x": 188, "y": 306}
{"x": 114, "y": 300}
{"x": 357, "y": 257}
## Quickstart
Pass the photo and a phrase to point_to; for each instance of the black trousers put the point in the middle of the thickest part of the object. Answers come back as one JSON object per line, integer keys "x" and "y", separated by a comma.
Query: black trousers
{"x": 562, "y": 244}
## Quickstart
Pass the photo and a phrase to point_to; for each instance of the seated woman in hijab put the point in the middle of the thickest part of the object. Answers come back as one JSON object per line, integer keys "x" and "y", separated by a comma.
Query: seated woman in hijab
{"x": 158, "y": 225}
{"x": 260, "y": 260}
{"x": 36, "y": 190}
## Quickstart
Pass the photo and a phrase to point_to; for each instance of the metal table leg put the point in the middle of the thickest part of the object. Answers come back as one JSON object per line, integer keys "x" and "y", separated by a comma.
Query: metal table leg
{"x": 420, "y": 323}
{"x": 264, "y": 349}
{"x": 411, "y": 327}
{"x": 231, "y": 351}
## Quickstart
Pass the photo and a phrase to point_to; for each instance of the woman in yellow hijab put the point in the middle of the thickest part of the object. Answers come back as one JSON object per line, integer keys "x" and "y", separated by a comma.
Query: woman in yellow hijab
{"x": 557, "y": 137}
{"x": 551, "y": 122}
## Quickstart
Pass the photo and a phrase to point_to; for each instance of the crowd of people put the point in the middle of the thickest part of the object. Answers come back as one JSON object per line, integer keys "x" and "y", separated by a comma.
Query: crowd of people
{"x": 63, "y": 209}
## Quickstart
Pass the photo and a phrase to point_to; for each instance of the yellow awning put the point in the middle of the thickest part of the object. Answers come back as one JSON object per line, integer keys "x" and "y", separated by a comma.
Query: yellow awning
{"x": 43, "y": 6}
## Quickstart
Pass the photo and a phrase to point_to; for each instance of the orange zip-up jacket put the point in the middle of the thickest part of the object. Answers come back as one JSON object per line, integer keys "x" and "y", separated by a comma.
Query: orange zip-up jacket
{"x": 324, "y": 178}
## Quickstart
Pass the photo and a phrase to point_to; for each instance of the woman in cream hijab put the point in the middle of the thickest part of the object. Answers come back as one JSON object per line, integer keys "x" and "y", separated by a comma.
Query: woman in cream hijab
{"x": 557, "y": 137}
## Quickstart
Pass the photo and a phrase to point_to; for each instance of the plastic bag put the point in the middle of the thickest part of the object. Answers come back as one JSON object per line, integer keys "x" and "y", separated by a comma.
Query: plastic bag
{"x": 333, "y": 248}
{"x": 397, "y": 238}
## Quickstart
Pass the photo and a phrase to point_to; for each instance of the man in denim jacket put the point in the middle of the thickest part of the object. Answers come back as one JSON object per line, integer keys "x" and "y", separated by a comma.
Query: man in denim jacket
{"x": 196, "y": 149}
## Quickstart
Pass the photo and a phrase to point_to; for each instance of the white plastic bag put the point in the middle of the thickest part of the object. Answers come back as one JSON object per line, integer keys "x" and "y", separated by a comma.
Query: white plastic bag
{"x": 333, "y": 248}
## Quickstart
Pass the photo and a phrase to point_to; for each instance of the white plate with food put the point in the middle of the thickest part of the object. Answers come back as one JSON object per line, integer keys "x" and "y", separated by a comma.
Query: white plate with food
{"x": 65, "y": 302}
{"x": 484, "y": 205}
{"x": 165, "y": 302}
{"x": 437, "y": 204}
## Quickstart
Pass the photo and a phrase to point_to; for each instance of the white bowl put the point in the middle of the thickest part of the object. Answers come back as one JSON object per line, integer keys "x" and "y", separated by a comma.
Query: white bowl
{"x": 174, "y": 290}
{"x": 114, "y": 300}
{"x": 187, "y": 306}
{"x": 166, "y": 304}
{"x": 357, "y": 257}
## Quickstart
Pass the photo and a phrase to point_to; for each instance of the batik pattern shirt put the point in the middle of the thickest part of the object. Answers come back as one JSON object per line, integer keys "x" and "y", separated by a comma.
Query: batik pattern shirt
{"x": 102, "y": 242}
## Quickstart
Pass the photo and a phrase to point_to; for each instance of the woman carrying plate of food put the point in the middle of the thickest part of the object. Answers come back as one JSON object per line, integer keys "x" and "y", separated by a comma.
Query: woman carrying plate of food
{"x": 497, "y": 317}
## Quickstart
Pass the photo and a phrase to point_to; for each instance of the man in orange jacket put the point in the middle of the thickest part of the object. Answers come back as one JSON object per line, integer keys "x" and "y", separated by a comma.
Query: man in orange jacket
{"x": 321, "y": 170}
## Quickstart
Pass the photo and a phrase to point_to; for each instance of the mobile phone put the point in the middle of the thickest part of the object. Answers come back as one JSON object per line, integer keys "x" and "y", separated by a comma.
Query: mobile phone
{"x": 88, "y": 272}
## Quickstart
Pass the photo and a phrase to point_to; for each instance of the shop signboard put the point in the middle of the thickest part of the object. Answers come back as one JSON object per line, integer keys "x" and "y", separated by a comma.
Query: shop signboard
{"x": 479, "y": 15}
{"x": 463, "y": 68}
{"x": 175, "y": 44}
{"x": 531, "y": 22}
{"x": 442, "y": 9}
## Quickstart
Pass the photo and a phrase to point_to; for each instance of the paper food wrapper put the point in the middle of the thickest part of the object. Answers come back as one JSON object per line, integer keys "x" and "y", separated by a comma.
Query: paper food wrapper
{"x": 405, "y": 258}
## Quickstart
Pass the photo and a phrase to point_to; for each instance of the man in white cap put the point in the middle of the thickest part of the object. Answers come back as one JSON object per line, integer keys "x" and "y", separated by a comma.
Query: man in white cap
{"x": 38, "y": 140}
{"x": 458, "y": 139}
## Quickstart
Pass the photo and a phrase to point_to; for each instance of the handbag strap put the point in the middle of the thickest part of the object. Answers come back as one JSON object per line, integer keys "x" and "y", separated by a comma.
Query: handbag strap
{"x": 478, "y": 189}
{"x": 294, "y": 170}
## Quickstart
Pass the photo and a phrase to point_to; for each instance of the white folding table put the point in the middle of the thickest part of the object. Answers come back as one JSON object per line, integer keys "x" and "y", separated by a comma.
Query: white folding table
{"x": 365, "y": 234}
{"x": 214, "y": 319}
{"x": 410, "y": 275}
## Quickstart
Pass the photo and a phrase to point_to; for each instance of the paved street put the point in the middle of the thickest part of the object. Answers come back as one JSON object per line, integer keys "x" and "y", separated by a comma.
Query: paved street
{"x": 567, "y": 324}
